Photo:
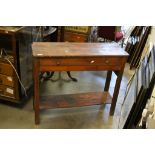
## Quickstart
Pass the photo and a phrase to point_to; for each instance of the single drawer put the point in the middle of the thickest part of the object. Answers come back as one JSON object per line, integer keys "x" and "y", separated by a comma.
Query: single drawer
{"x": 6, "y": 69}
{"x": 93, "y": 61}
{"x": 73, "y": 37}
{"x": 6, "y": 80}
{"x": 7, "y": 91}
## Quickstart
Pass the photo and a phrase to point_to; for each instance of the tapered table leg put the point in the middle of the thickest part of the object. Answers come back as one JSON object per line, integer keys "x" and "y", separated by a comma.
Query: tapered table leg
{"x": 116, "y": 91}
{"x": 36, "y": 90}
{"x": 108, "y": 79}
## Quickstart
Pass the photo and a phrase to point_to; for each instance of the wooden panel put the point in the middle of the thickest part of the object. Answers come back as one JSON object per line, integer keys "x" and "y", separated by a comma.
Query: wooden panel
{"x": 6, "y": 69}
{"x": 7, "y": 91}
{"x": 68, "y": 49}
{"x": 74, "y": 37}
{"x": 6, "y": 80}
{"x": 79, "y": 68}
{"x": 80, "y": 61}
{"x": 75, "y": 100}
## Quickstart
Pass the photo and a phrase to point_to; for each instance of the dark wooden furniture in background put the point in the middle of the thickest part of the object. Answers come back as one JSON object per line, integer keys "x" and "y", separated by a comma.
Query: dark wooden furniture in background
{"x": 74, "y": 33}
{"x": 16, "y": 42}
{"x": 109, "y": 33}
{"x": 49, "y": 33}
{"x": 76, "y": 57}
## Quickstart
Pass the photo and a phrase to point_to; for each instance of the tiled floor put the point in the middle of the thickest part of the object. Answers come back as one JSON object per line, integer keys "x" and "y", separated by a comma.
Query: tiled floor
{"x": 96, "y": 116}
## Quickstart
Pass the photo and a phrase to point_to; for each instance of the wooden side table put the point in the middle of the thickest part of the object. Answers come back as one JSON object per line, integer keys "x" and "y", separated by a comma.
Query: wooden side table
{"x": 77, "y": 57}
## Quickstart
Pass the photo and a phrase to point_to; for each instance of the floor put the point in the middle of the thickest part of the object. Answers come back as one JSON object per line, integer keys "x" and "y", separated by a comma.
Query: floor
{"x": 90, "y": 117}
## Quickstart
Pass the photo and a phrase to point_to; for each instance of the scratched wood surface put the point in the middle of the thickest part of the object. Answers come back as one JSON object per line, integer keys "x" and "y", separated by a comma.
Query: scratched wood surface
{"x": 68, "y": 49}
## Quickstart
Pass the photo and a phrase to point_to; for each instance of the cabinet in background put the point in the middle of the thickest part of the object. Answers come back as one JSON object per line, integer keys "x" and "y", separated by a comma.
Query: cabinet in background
{"x": 77, "y": 33}
{"x": 15, "y": 58}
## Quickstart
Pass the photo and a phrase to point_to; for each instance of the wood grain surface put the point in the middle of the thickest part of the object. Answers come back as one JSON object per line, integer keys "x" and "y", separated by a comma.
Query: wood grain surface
{"x": 75, "y": 100}
{"x": 68, "y": 49}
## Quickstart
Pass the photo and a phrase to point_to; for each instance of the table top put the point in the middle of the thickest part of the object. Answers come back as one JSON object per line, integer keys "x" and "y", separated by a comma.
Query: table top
{"x": 70, "y": 49}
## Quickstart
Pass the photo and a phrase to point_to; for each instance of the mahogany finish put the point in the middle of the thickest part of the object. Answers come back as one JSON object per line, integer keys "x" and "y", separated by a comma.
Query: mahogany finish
{"x": 77, "y": 57}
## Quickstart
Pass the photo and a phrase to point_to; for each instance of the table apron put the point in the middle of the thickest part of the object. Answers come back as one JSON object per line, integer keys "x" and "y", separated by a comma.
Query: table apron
{"x": 80, "y": 68}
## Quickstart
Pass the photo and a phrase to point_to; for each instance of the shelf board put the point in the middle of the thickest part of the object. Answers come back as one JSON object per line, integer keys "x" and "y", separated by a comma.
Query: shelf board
{"x": 75, "y": 100}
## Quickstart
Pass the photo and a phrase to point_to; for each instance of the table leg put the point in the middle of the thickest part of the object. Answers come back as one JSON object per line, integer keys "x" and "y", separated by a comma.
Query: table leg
{"x": 108, "y": 79}
{"x": 36, "y": 90}
{"x": 116, "y": 91}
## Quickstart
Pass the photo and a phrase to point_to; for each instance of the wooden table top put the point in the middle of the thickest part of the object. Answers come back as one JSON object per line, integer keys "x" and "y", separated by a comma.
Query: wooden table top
{"x": 69, "y": 49}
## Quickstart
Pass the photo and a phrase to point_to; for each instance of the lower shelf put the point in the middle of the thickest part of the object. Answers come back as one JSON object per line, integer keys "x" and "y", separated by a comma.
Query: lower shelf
{"x": 75, "y": 100}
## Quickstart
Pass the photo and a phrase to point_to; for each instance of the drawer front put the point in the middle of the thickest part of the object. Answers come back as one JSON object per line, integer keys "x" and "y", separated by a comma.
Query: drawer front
{"x": 81, "y": 61}
{"x": 6, "y": 80}
{"x": 6, "y": 69}
{"x": 7, "y": 91}
{"x": 72, "y": 37}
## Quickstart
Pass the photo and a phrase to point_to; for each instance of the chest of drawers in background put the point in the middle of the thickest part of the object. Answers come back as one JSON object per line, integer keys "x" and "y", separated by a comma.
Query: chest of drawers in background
{"x": 15, "y": 58}
{"x": 76, "y": 33}
{"x": 7, "y": 80}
